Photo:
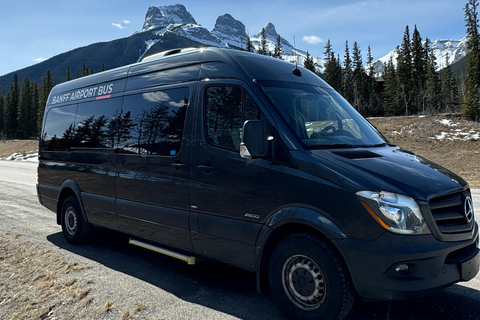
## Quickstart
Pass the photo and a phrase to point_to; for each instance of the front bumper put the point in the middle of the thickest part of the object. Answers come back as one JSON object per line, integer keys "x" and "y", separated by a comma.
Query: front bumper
{"x": 432, "y": 264}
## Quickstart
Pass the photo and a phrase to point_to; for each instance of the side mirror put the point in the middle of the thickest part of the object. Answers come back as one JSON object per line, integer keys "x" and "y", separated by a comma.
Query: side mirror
{"x": 253, "y": 143}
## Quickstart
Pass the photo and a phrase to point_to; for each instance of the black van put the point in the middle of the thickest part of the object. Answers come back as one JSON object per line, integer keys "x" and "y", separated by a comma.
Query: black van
{"x": 252, "y": 161}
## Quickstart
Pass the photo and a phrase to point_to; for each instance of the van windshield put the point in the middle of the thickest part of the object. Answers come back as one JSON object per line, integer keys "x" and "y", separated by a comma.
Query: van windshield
{"x": 320, "y": 117}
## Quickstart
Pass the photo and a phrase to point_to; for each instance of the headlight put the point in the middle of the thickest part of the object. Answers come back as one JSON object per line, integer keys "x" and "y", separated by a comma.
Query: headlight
{"x": 394, "y": 212}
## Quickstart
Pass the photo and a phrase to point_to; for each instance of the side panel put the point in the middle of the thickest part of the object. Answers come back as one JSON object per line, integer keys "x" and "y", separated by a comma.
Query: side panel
{"x": 153, "y": 180}
{"x": 232, "y": 196}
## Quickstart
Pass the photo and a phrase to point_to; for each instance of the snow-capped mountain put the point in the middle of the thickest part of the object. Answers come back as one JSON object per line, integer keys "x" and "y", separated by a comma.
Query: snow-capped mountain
{"x": 228, "y": 32}
{"x": 455, "y": 49}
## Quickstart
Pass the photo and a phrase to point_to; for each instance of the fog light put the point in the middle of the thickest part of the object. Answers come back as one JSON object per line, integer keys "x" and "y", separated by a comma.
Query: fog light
{"x": 402, "y": 268}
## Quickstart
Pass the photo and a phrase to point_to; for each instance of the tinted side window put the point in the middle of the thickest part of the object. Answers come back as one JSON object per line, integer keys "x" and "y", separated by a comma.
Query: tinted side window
{"x": 58, "y": 131}
{"x": 226, "y": 109}
{"x": 157, "y": 122}
{"x": 95, "y": 123}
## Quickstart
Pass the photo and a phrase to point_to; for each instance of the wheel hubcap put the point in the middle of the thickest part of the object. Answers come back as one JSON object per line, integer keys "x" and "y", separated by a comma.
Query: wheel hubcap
{"x": 71, "y": 221}
{"x": 303, "y": 282}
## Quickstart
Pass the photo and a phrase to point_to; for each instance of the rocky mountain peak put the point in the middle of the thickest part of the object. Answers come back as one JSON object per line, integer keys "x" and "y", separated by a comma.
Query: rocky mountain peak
{"x": 270, "y": 30}
{"x": 229, "y": 29}
{"x": 163, "y": 16}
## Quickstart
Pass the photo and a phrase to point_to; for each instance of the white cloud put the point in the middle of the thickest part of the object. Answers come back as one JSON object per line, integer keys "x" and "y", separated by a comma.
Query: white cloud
{"x": 118, "y": 25}
{"x": 38, "y": 60}
{"x": 312, "y": 39}
{"x": 126, "y": 21}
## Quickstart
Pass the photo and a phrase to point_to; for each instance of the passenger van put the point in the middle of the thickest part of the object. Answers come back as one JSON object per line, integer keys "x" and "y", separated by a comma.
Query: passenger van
{"x": 254, "y": 162}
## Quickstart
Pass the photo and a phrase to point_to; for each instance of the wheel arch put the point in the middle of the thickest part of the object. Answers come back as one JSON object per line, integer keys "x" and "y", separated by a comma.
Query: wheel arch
{"x": 69, "y": 188}
{"x": 290, "y": 221}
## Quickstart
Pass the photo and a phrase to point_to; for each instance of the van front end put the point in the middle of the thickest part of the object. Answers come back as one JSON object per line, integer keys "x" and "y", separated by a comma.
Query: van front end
{"x": 430, "y": 237}
{"x": 397, "y": 267}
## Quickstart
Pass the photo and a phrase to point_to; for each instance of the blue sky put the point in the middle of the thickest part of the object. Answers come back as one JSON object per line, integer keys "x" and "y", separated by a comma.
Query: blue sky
{"x": 32, "y": 30}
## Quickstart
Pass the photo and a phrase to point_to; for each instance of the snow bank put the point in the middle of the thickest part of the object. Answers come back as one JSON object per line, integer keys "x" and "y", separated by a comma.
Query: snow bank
{"x": 33, "y": 157}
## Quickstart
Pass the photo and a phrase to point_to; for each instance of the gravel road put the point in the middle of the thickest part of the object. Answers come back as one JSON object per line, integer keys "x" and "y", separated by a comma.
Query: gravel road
{"x": 126, "y": 282}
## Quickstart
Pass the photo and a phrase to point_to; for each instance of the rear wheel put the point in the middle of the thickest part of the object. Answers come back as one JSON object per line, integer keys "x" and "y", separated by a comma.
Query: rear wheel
{"x": 308, "y": 279}
{"x": 75, "y": 229}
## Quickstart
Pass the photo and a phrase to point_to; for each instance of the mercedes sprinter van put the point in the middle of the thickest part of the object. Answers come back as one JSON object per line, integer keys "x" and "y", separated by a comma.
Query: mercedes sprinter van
{"x": 254, "y": 162}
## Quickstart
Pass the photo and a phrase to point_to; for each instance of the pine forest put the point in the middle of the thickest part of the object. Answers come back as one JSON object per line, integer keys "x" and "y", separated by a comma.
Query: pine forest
{"x": 411, "y": 86}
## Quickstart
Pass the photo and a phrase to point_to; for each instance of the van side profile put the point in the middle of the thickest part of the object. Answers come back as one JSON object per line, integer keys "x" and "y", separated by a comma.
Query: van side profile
{"x": 254, "y": 162}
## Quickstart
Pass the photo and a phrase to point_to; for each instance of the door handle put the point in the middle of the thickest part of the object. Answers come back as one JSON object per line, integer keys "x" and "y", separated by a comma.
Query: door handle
{"x": 207, "y": 167}
{"x": 178, "y": 165}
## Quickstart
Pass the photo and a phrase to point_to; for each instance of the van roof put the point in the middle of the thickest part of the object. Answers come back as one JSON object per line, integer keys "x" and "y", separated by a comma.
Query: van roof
{"x": 222, "y": 63}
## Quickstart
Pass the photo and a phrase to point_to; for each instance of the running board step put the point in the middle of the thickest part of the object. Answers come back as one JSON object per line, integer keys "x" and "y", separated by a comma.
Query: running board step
{"x": 188, "y": 259}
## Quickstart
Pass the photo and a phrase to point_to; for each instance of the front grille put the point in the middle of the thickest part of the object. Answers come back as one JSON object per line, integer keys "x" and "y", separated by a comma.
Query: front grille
{"x": 449, "y": 213}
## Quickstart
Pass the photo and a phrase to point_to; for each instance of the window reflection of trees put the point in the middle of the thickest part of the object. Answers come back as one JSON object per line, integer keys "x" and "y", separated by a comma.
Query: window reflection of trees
{"x": 227, "y": 108}
{"x": 158, "y": 130}
{"x": 224, "y": 115}
{"x": 155, "y": 130}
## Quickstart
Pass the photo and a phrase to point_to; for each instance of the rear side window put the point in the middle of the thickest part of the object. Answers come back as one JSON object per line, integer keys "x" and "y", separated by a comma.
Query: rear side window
{"x": 152, "y": 123}
{"x": 59, "y": 130}
{"x": 226, "y": 109}
{"x": 95, "y": 123}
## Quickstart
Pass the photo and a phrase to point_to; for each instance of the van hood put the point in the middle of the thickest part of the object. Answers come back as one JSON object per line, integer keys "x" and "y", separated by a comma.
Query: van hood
{"x": 396, "y": 170}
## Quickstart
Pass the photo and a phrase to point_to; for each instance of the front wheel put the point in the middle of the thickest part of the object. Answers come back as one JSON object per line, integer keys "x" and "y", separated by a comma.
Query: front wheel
{"x": 308, "y": 279}
{"x": 75, "y": 229}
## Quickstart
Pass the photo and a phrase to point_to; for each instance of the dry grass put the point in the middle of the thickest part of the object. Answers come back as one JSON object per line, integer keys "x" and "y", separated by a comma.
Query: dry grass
{"x": 9, "y": 147}
{"x": 33, "y": 282}
{"x": 36, "y": 284}
{"x": 417, "y": 134}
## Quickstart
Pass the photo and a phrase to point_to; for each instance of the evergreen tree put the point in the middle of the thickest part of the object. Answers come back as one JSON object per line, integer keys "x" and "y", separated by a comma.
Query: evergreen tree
{"x": 449, "y": 87}
{"x": 1, "y": 113}
{"x": 471, "y": 104}
{"x": 391, "y": 104}
{"x": 332, "y": 73}
{"x": 373, "y": 98}
{"x": 358, "y": 79}
{"x": 370, "y": 62}
{"x": 277, "y": 51}
{"x": 308, "y": 63}
{"x": 10, "y": 109}
{"x": 24, "y": 109}
{"x": 404, "y": 72}
{"x": 432, "y": 82}
{"x": 263, "y": 43}
{"x": 347, "y": 75}
{"x": 328, "y": 51}
{"x": 86, "y": 71}
{"x": 419, "y": 71}
{"x": 33, "y": 121}
{"x": 69, "y": 75}
{"x": 249, "y": 46}
{"x": 44, "y": 91}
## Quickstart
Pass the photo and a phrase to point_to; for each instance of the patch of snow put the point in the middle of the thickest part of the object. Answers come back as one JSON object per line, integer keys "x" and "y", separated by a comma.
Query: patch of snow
{"x": 455, "y": 133}
{"x": 31, "y": 157}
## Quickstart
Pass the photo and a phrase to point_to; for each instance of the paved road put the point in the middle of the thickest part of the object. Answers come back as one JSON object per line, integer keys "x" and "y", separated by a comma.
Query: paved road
{"x": 174, "y": 290}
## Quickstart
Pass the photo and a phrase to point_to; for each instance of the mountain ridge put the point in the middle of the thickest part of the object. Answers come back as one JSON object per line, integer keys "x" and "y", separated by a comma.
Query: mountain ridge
{"x": 168, "y": 27}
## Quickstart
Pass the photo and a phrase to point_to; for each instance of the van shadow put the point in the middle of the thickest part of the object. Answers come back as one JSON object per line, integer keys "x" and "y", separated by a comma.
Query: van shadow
{"x": 209, "y": 283}
{"x": 232, "y": 290}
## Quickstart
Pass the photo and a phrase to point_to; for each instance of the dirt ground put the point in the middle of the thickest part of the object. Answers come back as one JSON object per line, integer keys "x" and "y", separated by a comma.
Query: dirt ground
{"x": 8, "y": 147}
{"x": 445, "y": 139}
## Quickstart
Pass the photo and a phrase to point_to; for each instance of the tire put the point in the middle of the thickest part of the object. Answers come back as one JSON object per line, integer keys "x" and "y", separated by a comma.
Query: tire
{"x": 308, "y": 279}
{"x": 75, "y": 229}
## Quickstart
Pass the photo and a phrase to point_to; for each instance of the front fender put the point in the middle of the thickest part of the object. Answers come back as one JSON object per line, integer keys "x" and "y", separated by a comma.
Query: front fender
{"x": 306, "y": 216}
